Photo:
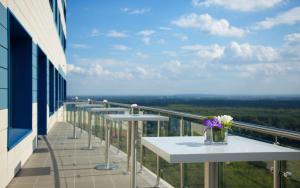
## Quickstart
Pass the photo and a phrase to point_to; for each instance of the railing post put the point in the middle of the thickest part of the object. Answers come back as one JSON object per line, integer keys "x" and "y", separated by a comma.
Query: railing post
{"x": 276, "y": 170}
{"x": 141, "y": 146}
{"x": 181, "y": 164}
{"x": 157, "y": 158}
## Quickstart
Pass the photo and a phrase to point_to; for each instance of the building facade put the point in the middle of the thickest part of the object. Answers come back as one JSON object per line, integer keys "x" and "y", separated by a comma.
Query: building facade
{"x": 32, "y": 77}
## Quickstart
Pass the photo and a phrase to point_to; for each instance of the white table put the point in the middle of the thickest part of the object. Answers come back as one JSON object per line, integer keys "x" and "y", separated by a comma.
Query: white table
{"x": 133, "y": 126}
{"x": 102, "y": 111}
{"x": 192, "y": 150}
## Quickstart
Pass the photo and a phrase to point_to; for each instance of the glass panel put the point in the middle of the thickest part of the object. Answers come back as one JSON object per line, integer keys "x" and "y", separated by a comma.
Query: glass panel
{"x": 292, "y": 181}
{"x": 246, "y": 174}
{"x": 194, "y": 172}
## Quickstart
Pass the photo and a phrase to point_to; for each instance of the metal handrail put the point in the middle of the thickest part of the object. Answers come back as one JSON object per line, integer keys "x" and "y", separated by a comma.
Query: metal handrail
{"x": 247, "y": 126}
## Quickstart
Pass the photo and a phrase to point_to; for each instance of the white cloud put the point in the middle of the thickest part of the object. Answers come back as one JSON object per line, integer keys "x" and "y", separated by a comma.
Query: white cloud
{"x": 79, "y": 46}
{"x": 120, "y": 47}
{"x": 165, "y": 28}
{"x": 291, "y": 46}
{"x": 71, "y": 68}
{"x": 239, "y": 5}
{"x": 136, "y": 10}
{"x": 146, "y": 40}
{"x": 289, "y": 17}
{"x": 173, "y": 66}
{"x": 170, "y": 53}
{"x": 146, "y": 33}
{"x": 211, "y": 52}
{"x": 249, "y": 52}
{"x": 181, "y": 37}
{"x": 263, "y": 69}
{"x": 94, "y": 32}
{"x": 206, "y": 23}
{"x": 142, "y": 55}
{"x": 116, "y": 34}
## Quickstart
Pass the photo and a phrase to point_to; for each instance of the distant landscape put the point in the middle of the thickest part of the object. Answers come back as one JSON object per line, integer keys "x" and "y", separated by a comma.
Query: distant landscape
{"x": 282, "y": 112}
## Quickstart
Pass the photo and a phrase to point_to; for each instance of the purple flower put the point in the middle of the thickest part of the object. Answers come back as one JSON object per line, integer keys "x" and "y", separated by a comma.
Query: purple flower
{"x": 212, "y": 123}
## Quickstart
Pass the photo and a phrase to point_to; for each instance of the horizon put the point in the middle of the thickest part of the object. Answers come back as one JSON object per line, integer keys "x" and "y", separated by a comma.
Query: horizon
{"x": 219, "y": 47}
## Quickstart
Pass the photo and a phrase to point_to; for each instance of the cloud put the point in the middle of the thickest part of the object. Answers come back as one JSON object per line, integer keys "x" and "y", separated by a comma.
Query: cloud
{"x": 173, "y": 66}
{"x": 206, "y": 23}
{"x": 116, "y": 34}
{"x": 181, "y": 37}
{"x": 165, "y": 28}
{"x": 136, "y": 10}
{"x": 142, "y": 55}
{"x": 249, "y": 52}
{"x": 94, "y": 33}
{"x": 239, "y": 5}
{"x": 71, "y": 68}
{"x": 289, "y": 17}
{"x": 291, "y": 46}
{"x": 146, "y": 33}
{"x": 170, "y": 53}
{"x": 211, "y": 52}
{"x": 79, "y": 46}
{"x": 120, "y": 47}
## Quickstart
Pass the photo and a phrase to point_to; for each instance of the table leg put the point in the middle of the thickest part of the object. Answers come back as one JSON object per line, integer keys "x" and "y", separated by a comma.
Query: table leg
{"x": 107, "y": 165}
{"x": 211, "y": 175}
{"x": 133, "y": 156}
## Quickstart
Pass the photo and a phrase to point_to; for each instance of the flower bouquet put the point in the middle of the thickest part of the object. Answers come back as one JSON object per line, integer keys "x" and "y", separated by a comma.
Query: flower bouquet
{"x": 216, "y": 131}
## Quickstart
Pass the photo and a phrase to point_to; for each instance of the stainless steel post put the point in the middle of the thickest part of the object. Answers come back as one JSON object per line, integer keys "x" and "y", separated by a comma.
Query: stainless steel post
{"x": 107, "y": 165}
{"x": 119, "y": 135}
{"x": 141, "y": 148}
{"x": 157, "y": 158}
{"x": 90, "y": 146}
{"x": 181, "y": 164}
{"x": 133, "y": 155}
{"x": 128, "y": 144}
{"x": 276, "y": 170}
{"x": 74, "y": 124}
{"x": 211, "y": 175}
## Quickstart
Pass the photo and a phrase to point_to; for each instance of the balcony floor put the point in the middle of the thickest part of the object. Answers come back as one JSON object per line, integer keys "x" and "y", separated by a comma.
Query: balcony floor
{"x": 60, "y": 162}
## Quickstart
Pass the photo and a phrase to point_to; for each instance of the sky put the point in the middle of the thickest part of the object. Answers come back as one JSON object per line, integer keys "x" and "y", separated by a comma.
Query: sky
{"x": 143, "y": 47}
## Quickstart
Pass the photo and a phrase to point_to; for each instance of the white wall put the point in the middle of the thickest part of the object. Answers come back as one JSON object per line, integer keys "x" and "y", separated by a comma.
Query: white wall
{"x": 37, "y": 18}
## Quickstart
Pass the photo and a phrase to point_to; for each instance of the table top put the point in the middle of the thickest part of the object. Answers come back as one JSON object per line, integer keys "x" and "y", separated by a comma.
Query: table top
{"x": 136, "y": 117}
{"x": 90, "y": 106}
{"x": 106, "y": 110}
{"x": 191, "y": 149}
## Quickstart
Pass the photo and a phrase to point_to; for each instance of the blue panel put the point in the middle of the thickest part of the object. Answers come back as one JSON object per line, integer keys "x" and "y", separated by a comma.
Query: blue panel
{"x": 3, "y": 78}
{"x": 34, "y": 49}
{"x": 34, "y": 60}
{"x": 34, "y": 72}
{"x": 3, "y": 57}
{"x": 3, "y": 37}
{"x": 34, "y": 85}
{"x": 16, "y": 135}
{"x": 34, "y": 96}
{"x": 3, "y": 16}
{"x": 3, "y": 99}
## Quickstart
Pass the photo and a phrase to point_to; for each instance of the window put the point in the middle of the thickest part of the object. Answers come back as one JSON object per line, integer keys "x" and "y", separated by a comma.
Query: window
{"x": 21, "y": 66}
{"x": 51, "y": 89}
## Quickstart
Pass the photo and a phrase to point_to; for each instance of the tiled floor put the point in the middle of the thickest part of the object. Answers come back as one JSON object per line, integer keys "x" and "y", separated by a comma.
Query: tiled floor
{"x": 60, "y": 162}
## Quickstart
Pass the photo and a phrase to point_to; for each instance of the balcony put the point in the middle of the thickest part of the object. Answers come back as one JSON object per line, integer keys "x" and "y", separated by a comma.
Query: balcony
{"x": 61, "y": 162}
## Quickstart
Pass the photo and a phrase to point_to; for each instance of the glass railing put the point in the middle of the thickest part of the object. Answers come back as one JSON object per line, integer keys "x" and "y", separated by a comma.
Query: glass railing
{"x": 231, "y": 174}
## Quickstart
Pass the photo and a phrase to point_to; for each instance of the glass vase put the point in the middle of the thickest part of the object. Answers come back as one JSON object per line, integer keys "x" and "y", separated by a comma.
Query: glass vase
{"x": 219, "y": 136}
{"x": 208, "y": 136}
